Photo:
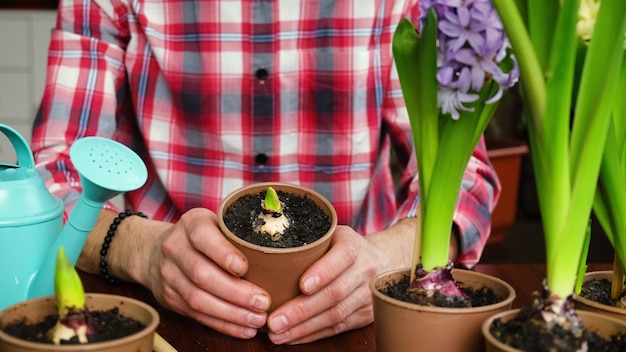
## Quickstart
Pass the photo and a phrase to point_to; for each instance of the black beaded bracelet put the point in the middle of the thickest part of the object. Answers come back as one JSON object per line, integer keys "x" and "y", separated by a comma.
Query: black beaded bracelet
{"x": 104, "y": 268}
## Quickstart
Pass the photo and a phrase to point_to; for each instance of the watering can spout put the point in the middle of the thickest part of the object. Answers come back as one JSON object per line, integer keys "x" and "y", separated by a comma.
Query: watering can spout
{"x": 106, "y": 168}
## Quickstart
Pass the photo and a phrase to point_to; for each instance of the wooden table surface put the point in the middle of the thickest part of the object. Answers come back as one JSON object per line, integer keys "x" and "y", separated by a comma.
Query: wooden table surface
{"x": 185, "y": 334}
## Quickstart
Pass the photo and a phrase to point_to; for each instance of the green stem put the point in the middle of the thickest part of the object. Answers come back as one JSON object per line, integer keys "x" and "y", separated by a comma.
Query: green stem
{"x": 582, "y": 264}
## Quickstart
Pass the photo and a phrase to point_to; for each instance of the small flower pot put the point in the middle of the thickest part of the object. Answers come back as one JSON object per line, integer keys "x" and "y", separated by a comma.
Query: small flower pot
{"x": 278, "y": 270}
{"x": 583, "y": 303}
{"x": 402, "y": 326}
{"x": 605, "y": 326}
{"x": 35, "y": 310}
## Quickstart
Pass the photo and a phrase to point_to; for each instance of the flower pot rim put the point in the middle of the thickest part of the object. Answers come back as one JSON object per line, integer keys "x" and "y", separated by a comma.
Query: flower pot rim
{"x": 505, "y": 146}
{"x": 96, "y": 346}
{"x": 499, "y": 344}
{"x": 599, "y": 274}
{"x": 451, "y": 310}
{"x": 279, "y": 186}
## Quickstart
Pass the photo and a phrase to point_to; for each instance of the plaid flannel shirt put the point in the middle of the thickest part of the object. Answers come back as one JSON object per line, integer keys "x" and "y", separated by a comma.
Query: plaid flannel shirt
{"x": 215, "y": 95}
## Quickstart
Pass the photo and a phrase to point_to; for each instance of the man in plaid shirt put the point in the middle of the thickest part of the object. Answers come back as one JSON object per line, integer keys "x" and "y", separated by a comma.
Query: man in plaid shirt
{"x": 215, "y": 95}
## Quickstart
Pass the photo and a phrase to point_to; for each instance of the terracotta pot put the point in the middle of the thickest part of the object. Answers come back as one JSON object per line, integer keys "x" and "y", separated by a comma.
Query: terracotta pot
{"x": 400, "y": 325}
{"x": 583, "y": 303}
{"x": 267, "y": 268}
{"x": 37, "y": 309}
{"x": 605, "y": 326}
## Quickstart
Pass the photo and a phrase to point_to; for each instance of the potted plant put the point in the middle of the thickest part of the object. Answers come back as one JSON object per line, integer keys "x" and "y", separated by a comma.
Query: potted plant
{"x": 569, "y": 90}
{"x": 75, "y": 321}
{"x": 272, "y": 229}
{"x": 452, "y": 81}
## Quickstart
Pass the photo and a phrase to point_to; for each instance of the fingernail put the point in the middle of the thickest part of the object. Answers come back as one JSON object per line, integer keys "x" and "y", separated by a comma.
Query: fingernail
{"x": 278, "y": 323}
{"x": 234, "y": 264}
{"x": 256, "y": 320}
{"x": 310, "y": 283}
{"x": 279, "y": 338}
{"x": 260, "y": 302}
{"x": 249, "y": 333}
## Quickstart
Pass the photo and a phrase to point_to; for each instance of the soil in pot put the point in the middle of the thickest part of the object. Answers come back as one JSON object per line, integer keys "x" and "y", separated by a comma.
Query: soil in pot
{"x": 110, "y": 325}
{"x": 524, "y": 334}
{"x": 308, "y": 221}
{"x": 599, "y": 290}
{"x": 481, "y": 296}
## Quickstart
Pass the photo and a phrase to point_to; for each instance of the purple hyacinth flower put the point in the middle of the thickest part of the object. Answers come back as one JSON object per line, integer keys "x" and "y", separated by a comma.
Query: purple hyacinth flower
{"x": 471, "y": 46}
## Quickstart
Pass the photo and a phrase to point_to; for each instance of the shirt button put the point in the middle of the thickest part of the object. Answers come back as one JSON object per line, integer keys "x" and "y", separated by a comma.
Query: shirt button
{"x": 261, "y": 74}
{"x": 261, "y": 158}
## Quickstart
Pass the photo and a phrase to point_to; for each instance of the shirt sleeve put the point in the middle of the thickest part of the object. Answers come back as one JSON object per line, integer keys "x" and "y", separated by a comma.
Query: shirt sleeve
{"x": 480, "y": 188}
{"x": 85, "y": 79}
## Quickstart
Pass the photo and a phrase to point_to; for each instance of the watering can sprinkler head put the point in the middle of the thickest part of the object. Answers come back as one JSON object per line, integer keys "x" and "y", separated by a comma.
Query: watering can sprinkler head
{"x": 106, "y": 168}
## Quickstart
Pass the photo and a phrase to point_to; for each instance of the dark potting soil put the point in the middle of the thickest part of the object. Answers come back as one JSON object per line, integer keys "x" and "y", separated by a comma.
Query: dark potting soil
{"x": 478, "y": 296}
{"x": 111, "y": 325}
{"x": 598, "y": 290}
{"x": 308, "y": 221}
{"x": 527, "y": 335}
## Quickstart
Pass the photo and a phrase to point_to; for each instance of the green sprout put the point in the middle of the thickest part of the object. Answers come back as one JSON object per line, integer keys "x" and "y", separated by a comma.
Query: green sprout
{"x": 560, "y": 74}
{"x": 272, "y": 219}
{"x": 74, "y": 319}
{"x": 271, "y": 200}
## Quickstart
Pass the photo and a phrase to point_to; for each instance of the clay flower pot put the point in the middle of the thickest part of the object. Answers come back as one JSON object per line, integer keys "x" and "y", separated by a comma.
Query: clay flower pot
{"x": 583, "y": 303}
{"x": 400, "y": 325}
{"x": 605, "y": 326}
{"x": 35, "y": 310}
{"x": 278, "y": 270}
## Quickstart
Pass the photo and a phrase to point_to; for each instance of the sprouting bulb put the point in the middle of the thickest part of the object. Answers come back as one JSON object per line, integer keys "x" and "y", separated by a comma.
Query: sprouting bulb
{"x": 273, "y": 220}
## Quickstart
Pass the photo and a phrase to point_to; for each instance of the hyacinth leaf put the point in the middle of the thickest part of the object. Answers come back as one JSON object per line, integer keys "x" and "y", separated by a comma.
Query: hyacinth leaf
{"x": 271, "y": 200}
{"x": 531, "y": 73}
{"x": 619, "y": 114}
{"x": 416, "y": 62}
{"x": 582, "y": 264}
{"x": 560, "y": 78}
{"x": 522, "y": 9}
{"x": 601, "y": 69}
{"x": 426, "y": 122}
{"x": 68, "y": 288}
{"x": 541, "y": 24}
{"x": 610, "y": 199}
{"x": 452, "y": 159}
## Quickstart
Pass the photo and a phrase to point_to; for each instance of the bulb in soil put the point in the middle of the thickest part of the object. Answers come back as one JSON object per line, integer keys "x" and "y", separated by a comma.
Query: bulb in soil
{"x": 273, "y": 226}
{"x": 273, "y": 221}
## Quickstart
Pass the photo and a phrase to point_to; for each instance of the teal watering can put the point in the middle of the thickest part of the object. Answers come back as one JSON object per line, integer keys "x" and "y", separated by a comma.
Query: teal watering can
{"x": 31, "y": 218}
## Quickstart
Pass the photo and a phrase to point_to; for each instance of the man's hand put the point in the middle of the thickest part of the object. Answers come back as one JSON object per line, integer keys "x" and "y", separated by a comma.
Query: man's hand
{"x": 191, "y": 268}
{"x": 336, "y": 295}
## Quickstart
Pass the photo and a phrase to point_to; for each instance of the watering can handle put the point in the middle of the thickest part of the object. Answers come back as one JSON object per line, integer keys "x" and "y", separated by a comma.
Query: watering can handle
{"x": 22, "y": 150}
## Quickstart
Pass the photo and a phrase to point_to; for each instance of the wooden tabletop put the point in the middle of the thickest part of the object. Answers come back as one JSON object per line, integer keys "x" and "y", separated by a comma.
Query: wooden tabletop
{"x": 185, "y": 334}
